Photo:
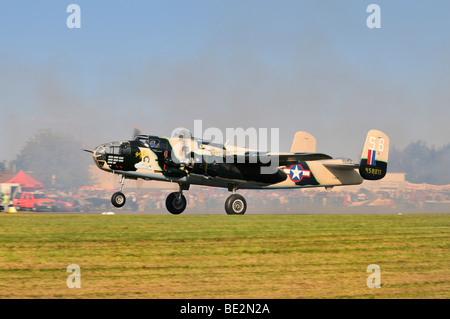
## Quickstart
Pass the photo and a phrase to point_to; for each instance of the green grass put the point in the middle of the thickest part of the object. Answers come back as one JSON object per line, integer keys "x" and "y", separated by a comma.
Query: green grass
{"x": 220, "y": 256}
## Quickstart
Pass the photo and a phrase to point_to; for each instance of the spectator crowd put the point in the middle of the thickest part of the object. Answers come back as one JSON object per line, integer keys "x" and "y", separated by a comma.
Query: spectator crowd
{"x": 211, "y": 200}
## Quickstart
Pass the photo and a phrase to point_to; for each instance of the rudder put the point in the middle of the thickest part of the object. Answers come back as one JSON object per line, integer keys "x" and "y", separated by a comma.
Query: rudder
{"x": 374, "y": 157}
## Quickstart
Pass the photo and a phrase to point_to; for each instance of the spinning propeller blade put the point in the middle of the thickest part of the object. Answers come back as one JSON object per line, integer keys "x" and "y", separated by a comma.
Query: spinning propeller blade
{"x": 137, "y": 131}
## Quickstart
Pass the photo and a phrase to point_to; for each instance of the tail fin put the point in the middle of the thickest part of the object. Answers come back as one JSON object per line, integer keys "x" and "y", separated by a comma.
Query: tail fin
{"x": 303, "y": 143}
{"x": 374, "y": 157}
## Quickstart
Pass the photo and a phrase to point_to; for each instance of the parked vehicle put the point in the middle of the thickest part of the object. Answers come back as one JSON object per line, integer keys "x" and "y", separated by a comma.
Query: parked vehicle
{"x": 34, "y": 202}
{"x": 66, "y": 204}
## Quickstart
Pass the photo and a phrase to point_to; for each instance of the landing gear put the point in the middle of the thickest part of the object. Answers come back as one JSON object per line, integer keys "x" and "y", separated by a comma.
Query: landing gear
{"x": 118, "y": 199}
{"x": 176, "y": 203}
{"x": 235, "y": 205}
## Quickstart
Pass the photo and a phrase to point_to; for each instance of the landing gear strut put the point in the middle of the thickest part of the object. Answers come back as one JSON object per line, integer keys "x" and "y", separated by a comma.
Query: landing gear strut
{"x": 176, "y": 202}
{"x": 118, "y": 199}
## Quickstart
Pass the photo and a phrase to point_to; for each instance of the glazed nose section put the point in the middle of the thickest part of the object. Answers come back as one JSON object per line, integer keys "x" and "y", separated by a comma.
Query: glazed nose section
{"x": 100, "y": 150}
{"x": 99, "y": 156}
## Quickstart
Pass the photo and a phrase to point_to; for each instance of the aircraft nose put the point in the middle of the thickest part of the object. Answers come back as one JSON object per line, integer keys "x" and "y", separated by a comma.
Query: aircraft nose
{"x": 99, "y": 156}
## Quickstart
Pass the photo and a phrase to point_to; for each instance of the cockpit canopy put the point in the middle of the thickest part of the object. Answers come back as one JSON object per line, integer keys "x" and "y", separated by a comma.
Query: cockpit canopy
{"x": 152, "y": 141}
{"x": 117, "y": 148}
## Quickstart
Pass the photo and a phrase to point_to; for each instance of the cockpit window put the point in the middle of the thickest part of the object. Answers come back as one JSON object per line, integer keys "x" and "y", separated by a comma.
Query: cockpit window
{"x": 125, "y": 148}
{"x": 113, "y": 148}
{"x": 143, "y": 141}
{"x": 164, "y": 144}
{"x": 154, "y": 143}
{"x": 117, "y": 148}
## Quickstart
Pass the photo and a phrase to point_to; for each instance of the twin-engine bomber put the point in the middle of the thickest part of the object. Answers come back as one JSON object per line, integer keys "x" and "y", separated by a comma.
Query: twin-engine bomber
{"x": 190, "y": 161}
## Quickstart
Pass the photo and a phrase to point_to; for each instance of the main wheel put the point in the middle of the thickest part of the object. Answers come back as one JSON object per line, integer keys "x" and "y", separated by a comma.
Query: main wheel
{"x": 118, "y": 199}
{"x": 235, "y": 205}
{"x": 176, "y": 203}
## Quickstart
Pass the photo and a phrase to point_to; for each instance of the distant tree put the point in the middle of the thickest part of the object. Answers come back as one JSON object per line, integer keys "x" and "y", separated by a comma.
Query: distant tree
{"x": 421, "y": 163}
{"x": 395, "y": 160}
{"x": 2, "y": 166}
{"x": 54, "y": 159}
{"x": 415, "y": 158}
{"x": 440, "y": 169}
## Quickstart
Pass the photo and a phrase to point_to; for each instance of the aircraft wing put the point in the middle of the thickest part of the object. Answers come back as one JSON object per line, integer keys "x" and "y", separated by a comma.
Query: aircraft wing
{"x": 146, "y": 176}
{"x": 284, "y": 159}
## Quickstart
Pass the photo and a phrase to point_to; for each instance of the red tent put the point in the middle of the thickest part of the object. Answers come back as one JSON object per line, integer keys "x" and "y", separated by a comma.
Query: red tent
{"x": 25, "y": 181}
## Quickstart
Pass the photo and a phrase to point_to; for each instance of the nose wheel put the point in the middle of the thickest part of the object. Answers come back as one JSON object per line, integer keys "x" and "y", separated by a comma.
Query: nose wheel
{"x": 118, "y": 199}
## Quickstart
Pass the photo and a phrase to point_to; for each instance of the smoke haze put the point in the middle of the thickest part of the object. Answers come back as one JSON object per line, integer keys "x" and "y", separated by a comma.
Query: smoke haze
{"x": 309, "y": 67}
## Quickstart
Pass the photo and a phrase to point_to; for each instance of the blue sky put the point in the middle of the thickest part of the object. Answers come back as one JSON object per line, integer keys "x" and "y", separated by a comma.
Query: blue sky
{"x": 293, "y": 65}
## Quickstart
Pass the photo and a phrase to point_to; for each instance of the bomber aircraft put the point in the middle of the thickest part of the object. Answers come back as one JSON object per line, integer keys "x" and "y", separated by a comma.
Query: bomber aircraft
{"x": 189, "y": 161}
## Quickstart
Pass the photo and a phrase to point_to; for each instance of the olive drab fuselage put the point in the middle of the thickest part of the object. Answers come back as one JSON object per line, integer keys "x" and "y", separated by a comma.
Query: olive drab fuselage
{"x": 154, "y": 155}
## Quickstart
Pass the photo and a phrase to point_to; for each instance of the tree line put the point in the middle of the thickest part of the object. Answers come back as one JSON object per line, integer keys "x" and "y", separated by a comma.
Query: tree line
{"x": 54, "y": 159}
{"x": 421, "y": 163}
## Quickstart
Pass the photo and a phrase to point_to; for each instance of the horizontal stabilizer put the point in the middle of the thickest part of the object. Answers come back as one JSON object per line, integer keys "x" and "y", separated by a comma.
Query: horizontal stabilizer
{"x": 286, "y": 159}
{"x": 342, "y": 166}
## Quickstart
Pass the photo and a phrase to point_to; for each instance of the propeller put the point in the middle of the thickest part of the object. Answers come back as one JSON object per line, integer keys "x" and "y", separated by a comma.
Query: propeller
{"x": 181, "y": 132}
{"x": 139, "y": 184}
{"x": 137, "y": 131}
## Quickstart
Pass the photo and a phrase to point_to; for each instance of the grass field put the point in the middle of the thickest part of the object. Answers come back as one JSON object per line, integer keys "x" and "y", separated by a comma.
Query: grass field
{"x": 220, "y": 256}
